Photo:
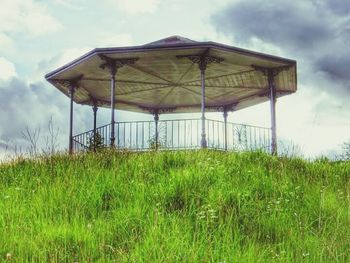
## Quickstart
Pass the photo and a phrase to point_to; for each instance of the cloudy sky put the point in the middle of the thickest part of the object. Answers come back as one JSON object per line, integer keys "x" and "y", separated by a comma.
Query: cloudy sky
{"x": 38, "y": 36}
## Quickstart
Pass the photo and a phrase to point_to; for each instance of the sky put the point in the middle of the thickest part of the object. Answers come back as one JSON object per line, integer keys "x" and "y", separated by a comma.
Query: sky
{"x": 39, "y": 36}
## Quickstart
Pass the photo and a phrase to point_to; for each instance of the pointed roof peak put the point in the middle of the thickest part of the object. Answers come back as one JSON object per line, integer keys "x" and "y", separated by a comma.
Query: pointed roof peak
{"x": 171, "y": 40}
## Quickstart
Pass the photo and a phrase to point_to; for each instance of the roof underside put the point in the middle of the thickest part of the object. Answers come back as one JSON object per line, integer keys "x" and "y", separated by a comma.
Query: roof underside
{"x": 160, "y": 80}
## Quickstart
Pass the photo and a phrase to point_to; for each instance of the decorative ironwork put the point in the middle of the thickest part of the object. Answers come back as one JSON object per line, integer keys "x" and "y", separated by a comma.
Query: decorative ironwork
{"x": 270, "y": 71}
{"x": 67, "y": 83}
{"x": 227, "y": 107}
{"x": 178, "y": 134}
{"x": 202, "y": 60}
{"x": 114, "y": 64}
{"x": 63, "y": 82}
{"x": 94, "y": 106}
{"x": 158, "y": 110}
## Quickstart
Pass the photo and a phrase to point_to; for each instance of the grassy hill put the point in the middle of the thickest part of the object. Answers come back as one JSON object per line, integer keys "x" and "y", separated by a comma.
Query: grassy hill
{"x": 194, "y": 206}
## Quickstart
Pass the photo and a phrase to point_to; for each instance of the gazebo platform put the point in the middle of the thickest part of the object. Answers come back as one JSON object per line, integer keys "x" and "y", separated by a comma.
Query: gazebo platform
{"x": 175, "y": 75}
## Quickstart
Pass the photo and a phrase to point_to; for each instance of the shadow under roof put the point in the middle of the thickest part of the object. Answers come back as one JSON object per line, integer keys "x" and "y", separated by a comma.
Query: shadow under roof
{"x": 160, "y": 80}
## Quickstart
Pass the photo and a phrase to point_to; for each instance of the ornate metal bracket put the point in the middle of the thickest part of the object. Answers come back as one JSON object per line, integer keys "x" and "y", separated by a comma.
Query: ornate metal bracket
{"x": 223, "y": 108}
{"x": 202, "y": 60}
{"x": 270, "y": 72}
{"x": 154, "y": 111}
{"x": 70, "y": 84}
{"x": 156, "y": 115}
{"x": 94, "y": 104}
{"x": 229, "y": 107}
{"x": 114, "y": 64}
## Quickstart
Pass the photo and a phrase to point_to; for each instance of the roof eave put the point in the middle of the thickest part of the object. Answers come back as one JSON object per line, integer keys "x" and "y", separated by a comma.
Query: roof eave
{"x": 165, "y": 47}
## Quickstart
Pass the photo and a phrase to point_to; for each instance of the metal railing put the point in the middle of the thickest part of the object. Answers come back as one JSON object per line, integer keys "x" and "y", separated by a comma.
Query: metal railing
{"x": 176, "y": 134}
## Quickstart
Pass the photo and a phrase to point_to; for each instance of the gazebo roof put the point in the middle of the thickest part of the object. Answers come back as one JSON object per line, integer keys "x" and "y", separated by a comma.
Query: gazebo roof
{"x": 161, "y": 80}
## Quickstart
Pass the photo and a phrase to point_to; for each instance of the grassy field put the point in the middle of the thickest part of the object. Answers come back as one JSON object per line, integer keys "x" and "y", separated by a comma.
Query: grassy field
{"x": 186, "y": 206}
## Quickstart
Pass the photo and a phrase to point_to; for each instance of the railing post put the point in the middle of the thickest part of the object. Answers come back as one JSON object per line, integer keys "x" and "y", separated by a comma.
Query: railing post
{"x": 94, "y": 109}
{"x": 72, "y": 88}
{"x": 271, "y": 80}
{"x": 156, "y": 119}
{"x": 225, "y": 127}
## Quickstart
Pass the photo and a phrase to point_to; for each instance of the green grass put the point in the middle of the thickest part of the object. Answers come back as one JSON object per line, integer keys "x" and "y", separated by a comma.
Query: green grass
{"x": 194, "y": 206}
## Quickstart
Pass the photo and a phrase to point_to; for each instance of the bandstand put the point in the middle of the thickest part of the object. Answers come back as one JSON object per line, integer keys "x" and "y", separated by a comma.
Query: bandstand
{"x": 175, "y": 75}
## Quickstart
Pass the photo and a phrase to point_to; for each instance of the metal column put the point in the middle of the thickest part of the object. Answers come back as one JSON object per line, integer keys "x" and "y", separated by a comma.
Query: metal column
{"x": 113, "y": 65}
{"x": 203, "y": 135}
{"x": 113, "y": 73}
{"x": 156, "y": 119}
{"x": 273, "y": 112}
{"x": 202, "y": 60}
{"x": 225, "y": 127}
{"x": 72, "y": 88}
{"x": 94, "y": 109}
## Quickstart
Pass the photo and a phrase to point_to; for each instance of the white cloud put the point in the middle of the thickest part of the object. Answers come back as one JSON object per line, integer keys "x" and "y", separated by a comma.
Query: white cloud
{"x": 68, "y": 4}
{"x": 108, "y": 39}
{"x": 69, "y": 55}
{"x": 64, "y": 57}
{"x": 261, "y": 46}
{"x": 6, "y": 43}
{"x": 100, "y": 39}
{"x": 27, "y": 17}
{"x": 137, "y": 6}
{"x": 7, "y": 69}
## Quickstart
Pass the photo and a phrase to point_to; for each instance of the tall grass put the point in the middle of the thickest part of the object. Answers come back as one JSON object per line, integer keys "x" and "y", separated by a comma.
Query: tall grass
{"x": 185, "y": 206}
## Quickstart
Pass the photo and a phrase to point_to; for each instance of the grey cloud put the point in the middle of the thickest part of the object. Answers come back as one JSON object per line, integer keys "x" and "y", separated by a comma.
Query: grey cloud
{"x": 339, "y": 7}
{"x": 279, "y": 22}
{"x": 33, "y": 105}
{"x": 315, "y": 32}
{"x": 22, "y": 105}
{"x": 336, "y": 67}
